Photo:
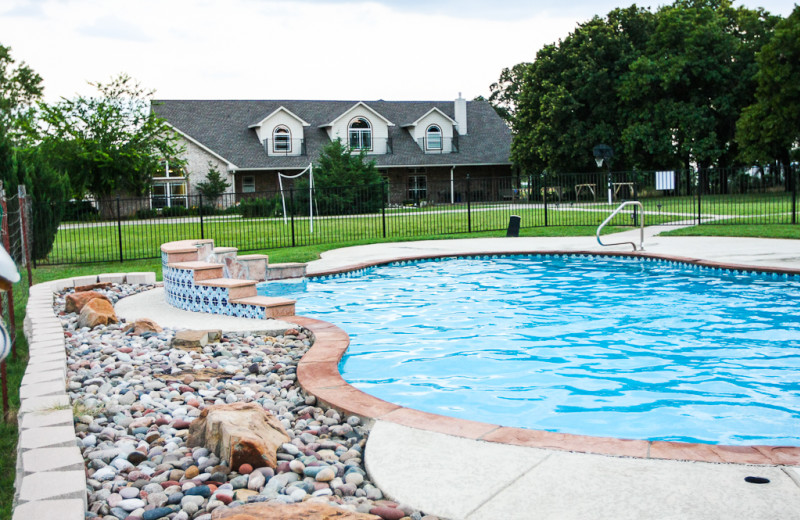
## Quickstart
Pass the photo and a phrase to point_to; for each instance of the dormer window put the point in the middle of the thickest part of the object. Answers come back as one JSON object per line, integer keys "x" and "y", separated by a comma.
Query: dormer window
{"x": 360, "y": 134}
{"x": 433, "y": 138}
{"x": 281, "y": 140}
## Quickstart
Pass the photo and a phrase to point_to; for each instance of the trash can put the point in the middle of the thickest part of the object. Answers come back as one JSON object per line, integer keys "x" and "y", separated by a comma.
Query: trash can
{"x": 513, "y": 226}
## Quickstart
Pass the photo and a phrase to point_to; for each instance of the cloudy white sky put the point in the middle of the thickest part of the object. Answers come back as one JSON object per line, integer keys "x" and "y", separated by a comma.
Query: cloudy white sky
{"x": 314, "y": 49}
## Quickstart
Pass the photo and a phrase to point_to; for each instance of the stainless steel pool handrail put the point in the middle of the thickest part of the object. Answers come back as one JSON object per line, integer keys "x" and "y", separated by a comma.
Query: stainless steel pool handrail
{"x": 641, "y": 226}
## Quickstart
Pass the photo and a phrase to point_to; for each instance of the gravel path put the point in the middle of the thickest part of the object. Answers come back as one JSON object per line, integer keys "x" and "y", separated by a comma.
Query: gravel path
{"x": 134, "y": 398}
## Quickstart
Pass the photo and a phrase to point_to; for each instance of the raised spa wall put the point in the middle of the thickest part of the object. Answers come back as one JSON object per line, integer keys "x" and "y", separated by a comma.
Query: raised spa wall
{"x": 201, "y": 278}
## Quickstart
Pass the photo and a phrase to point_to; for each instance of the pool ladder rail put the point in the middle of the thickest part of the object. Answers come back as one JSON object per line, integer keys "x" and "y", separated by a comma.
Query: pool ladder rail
{"x": 641, "y": 226}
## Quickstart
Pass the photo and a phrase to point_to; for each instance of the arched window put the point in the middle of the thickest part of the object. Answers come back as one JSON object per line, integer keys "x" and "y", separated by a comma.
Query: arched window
{"x": 360, "y": 134}
{"x": 433, "y": 138}
{"x": 281, "y": 140}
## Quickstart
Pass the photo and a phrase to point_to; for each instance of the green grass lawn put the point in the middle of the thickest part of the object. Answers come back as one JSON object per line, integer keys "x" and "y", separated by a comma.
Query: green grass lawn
{"x": 738, "y": 230}
{"x": 93, "y": 242}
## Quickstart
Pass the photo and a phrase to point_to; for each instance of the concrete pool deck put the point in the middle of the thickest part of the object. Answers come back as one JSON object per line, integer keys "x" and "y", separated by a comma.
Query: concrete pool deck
{"x": 467, "y": 470}
{"x": 458, "y": 477}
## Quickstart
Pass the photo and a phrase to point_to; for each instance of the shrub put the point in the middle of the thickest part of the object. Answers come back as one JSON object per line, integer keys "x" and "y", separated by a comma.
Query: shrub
{"x": 146, "y": 213}
{"x": 258, "y": 207}
{"x": 80, "y": 210}
{"x": 174, "y": 211}
{"x": 204, "y": 209}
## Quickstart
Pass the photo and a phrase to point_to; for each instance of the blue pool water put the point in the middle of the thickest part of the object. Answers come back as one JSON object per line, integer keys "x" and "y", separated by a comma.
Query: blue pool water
{"x": 616, "y": 347}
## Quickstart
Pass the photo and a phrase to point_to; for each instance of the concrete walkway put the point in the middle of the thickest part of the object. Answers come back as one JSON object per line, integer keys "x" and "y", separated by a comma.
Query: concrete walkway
{"x": 458, "y": 478}
{"x": 746, "y": 251}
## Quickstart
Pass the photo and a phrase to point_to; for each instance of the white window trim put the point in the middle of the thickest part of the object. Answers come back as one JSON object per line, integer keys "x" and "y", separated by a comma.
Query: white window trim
{"x": 361, "y": 133}
{"x": 287, "y": 133}
{"x": 248, "y": 184}
{"x": 440, "y": 135}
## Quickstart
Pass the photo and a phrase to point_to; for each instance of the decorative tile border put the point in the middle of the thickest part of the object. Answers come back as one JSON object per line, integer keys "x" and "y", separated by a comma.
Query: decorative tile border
{"x": 318, "y": 374}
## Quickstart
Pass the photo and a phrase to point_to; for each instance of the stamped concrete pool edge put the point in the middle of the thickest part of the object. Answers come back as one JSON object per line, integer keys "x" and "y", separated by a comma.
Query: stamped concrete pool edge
{"x": 318, "y": 374}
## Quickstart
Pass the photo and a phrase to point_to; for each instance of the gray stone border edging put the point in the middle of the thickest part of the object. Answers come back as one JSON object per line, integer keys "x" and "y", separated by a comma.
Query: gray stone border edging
{"x": 50, "y": 475}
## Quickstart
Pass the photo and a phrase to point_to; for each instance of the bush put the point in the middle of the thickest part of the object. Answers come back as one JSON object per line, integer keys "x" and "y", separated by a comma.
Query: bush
{"x": 146, "y": 213}
{"x": 80, "y": 210}
{"x": 258, "y": 207}
{"x": 204, "y": 209}
{"x": 174, "y": 211}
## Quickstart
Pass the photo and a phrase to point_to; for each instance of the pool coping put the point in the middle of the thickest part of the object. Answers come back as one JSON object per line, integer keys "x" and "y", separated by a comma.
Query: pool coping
{"x": 318, "y": 374}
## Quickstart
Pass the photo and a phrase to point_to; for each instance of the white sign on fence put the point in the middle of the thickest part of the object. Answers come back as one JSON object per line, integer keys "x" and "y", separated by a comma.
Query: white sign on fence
{"x": 665, "y": 180}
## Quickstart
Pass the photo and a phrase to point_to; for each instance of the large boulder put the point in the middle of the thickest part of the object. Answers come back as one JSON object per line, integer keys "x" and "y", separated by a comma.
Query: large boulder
{"x": 93, "y": 286}
{"x": 301, "y": 511}
{"x": 143, "y": 326}
{"x": 74, "y": 302}
{"x": 195, "y": 339}
{"x": 97, "y": 311}
{"x": 239, "y": 433}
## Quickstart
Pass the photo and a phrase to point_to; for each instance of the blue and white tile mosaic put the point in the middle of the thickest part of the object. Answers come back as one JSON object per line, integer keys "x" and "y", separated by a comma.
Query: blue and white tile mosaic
{"x": 180, "y": 291}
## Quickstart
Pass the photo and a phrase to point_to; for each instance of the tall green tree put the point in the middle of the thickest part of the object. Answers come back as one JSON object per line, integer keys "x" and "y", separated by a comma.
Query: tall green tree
{"x": 504, "y": 94}
{"x": 769, "y": 128}
{"x": 345, "y": 183}
{"x": 214, "y": 185}
{"x": 685, "y": 92}
{"x": 109, "y": 144}
{"x": 20, "y": 89}
{"x": 567, "y": 101}
{"x": 21, "y": 162}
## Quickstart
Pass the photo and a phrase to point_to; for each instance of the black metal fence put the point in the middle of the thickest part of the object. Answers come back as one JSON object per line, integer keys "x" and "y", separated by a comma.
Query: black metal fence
{"x": 131, "y": 229}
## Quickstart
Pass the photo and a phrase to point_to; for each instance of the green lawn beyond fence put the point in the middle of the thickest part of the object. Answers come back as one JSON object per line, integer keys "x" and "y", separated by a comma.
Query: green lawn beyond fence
{"x": 121, "y": 236}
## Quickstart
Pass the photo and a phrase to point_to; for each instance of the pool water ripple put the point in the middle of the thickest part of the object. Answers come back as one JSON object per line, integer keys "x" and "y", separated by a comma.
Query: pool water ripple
{"x": 595, "y": 346}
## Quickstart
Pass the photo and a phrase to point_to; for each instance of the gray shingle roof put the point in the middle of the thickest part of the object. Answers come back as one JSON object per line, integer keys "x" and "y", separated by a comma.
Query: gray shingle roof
{"x": 223, "y": 127}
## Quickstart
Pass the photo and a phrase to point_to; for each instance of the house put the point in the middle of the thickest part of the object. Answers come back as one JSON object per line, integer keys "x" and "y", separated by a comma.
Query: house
{"x": 424, "y": 149}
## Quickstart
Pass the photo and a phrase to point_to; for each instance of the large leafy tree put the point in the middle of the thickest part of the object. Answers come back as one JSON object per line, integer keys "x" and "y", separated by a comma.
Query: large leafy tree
{"x": 21, "y": 163}
{"x": 505, "y": 92}
{"x": 686, "y": 91}
{"x": 770, "y": 127}
{"x": 109, "y": 144}
{"x": 567, "y": 101}
{"x": 20, "y": 89}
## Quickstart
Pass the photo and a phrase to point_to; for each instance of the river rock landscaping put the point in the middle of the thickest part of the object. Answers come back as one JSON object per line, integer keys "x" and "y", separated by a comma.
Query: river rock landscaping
{"x": 134, "y": 395}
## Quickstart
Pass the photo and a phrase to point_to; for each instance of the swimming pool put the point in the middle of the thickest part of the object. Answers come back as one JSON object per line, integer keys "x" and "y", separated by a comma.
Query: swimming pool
{"x": 604, "y": 346}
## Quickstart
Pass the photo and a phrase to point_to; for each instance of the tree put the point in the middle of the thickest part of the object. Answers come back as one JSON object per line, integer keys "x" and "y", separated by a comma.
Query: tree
{"x": 108, "y": 144}
{"x": 20, "y": 89}
{"x": 214, "y": 186}
{"x": 685, "y": 92}
{"x": 506, "y": 91}
{"x": 24, "y": 164}
{"x": 768, "y": 129}
{"x": 344, "y": 183}
{"x": 566, "y": 100}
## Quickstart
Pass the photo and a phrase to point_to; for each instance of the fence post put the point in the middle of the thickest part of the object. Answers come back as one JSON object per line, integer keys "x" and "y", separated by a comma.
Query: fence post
{"x": 699, "y": 196}
{"x": 544, "y": 198}
{"x": 291, "y": 211}
{"x": 383, "y": 206}
{"x": 12, "y": 322}
{"x": 22, "y": 200}
{"x": 119, "y": 231}
{"x": 200, "y": 211}
{"x": 794, "y": 176}
{"x": 469, "y": 209}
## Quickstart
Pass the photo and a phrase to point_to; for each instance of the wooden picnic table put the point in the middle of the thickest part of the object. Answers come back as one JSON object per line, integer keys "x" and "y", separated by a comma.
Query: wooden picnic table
{"x": 620, "y": 185}
{"x": 580, "y": 187}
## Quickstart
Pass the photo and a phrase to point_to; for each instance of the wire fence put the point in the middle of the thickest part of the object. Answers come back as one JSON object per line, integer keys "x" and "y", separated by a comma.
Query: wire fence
{"x": 134, "y": 228}
{"x": 14, "y": 233}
